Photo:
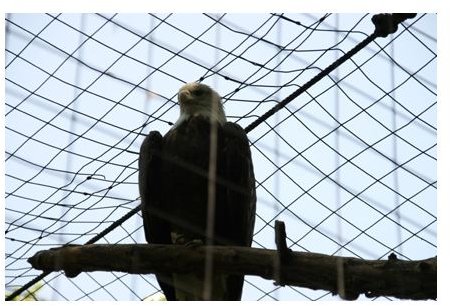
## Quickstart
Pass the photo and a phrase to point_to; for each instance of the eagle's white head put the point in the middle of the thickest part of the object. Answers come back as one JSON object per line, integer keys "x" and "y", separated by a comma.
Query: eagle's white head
{"x": 200, "y": 100}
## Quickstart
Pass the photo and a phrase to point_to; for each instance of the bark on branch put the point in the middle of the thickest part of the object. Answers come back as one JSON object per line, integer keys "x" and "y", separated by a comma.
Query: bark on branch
{"x": 396, "y": 278}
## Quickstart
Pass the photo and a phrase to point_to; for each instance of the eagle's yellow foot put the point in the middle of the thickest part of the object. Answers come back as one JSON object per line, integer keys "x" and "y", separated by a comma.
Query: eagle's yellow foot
{"x": 187, "y": 241}
{"x": 194, "y": 243}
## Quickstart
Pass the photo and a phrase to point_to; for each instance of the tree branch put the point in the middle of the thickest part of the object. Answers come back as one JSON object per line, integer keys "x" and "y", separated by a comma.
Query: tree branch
{"x": 395, "y": 278}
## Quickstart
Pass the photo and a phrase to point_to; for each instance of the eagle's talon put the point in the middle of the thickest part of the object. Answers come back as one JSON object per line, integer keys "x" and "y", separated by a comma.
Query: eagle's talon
{"x": 194, "y": 243}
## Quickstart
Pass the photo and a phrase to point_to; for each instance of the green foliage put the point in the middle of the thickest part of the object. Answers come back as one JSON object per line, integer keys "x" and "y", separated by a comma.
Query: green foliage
{"x": 28, "y": 295}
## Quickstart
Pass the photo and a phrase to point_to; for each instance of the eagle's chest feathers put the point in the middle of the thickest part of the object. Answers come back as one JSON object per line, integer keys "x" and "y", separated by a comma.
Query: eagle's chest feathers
{"x": 190, "y": 140}
{"x": 185, "y": 170}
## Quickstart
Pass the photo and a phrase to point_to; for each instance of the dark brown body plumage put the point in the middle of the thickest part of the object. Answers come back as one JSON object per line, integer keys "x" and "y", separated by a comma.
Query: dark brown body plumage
{"x": 173, "y": 180}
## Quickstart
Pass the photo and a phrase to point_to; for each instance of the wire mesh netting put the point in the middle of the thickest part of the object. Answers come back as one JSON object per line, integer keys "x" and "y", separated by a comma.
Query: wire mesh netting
{"x": 349, "y": 166}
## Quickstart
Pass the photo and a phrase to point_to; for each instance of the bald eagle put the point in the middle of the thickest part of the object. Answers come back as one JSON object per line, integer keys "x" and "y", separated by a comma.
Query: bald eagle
{"x": 173, "y": 185}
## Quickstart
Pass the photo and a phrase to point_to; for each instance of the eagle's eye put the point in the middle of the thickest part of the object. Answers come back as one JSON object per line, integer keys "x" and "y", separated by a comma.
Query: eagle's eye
{"x": 198, "y": 92}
